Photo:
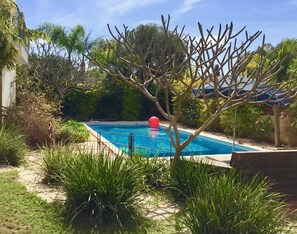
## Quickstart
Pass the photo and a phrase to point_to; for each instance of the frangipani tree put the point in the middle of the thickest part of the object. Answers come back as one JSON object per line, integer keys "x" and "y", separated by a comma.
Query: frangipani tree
{"x": 209, "y": 58}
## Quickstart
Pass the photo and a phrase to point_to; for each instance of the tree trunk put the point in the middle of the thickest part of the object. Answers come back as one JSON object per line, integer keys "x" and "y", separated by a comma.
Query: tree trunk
{"x": 176, "y": 157}
{"x": 277, "y": 140}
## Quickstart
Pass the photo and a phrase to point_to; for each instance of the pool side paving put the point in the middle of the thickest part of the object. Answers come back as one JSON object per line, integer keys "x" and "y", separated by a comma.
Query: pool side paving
{"x": 222, "y": 160}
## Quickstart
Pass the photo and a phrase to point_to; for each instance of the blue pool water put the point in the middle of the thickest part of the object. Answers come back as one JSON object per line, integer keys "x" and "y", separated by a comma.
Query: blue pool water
{"x": 156, "y": 141}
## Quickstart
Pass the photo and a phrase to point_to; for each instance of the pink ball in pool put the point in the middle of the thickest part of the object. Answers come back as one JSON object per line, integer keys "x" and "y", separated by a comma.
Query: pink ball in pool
{"x": 154, "y": 122}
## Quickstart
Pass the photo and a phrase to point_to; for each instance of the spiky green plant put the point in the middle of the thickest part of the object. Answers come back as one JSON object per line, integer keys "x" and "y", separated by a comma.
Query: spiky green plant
{"x": 54, "y": 160}
{"x": 102, "y": 188}
{"x": 189, "y": 177}
{"x": 12, "y": 145}
{"x": 230, "y": 203}
{"x": 155, "y": 169}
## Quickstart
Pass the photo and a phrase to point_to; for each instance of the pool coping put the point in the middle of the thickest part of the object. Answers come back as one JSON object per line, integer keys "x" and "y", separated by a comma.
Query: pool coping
{"x": 221, "y": 160}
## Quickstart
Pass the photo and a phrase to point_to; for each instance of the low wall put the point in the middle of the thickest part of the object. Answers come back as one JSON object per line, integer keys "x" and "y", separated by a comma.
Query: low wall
{"x": 280, "y": 167}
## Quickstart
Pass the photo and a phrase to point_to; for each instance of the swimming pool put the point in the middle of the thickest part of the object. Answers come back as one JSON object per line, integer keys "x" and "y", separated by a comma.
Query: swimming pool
{"x": 150, "y": 141}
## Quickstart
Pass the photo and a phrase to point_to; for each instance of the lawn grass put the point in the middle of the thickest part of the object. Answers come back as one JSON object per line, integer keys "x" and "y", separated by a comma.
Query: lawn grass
{"x": 24, "y": 212}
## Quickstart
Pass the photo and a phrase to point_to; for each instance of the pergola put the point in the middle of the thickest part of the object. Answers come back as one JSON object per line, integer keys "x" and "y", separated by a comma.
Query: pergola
{"x": 253, "y": 92}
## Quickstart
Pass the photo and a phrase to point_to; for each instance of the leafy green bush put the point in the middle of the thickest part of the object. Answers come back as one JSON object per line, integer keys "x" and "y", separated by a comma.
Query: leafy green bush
{"x": 215, "y": 126}
{"x": 12, "y": 146}
{"x": 80, "y": 104}
{"x": 190, "y": 110}
{"x": 73, "y": 131}
{"x": 248, "y": 122}
{"x": 189, "y": 177}
{"x": 293, "y": 114}
{"x": 131, "y": 104}
{"x": 102, "y": 188}
{"x": 231, "y": 203}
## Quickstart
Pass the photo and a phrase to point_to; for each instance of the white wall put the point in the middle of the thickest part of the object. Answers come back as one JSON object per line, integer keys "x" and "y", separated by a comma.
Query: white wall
{"x": 8, "y": 87}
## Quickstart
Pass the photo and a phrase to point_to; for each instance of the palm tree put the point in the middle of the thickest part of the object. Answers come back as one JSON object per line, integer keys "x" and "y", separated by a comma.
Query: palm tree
{"x": 71, "y": 40}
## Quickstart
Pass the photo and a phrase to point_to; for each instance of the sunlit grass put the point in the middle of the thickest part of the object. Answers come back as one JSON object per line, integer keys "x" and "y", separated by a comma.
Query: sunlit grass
{"x": 24, "y": 212}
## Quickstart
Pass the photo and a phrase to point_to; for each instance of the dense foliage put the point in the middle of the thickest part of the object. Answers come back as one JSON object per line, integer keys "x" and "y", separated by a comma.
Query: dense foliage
{"x": 81, "y": 105}
{"x": 189, "y": 178}
{"x": 131, "y": 104}
{"x": 73, "y": 131}
{"x": 190, "y": 110}
{"x": 54, "y": 159}
{"x": 248, "y": 122}
{"x": 8, "y": 34}
{"x": 101, "y": 188}
{"x": 12, "y": 146}
{"x": 155, "y": 170}
{"x": 107, "y": 189}
{"x": 230, "y": 203}
{"x": 33, "y": 115}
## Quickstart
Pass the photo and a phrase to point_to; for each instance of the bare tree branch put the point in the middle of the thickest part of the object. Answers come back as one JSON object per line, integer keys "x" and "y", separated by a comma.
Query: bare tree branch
{"x": 212, "y": 58}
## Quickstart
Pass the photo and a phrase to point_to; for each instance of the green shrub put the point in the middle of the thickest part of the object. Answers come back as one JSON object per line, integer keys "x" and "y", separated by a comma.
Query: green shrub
{"x": 231, "y": 203}
{"x": 54, "y": 160}
{"x": 80, "y": 104}
{"x": 154, "y": 169}
{"x": 190, "y": 110}
{"x": 215, "y": 126}
{"x": 188, "y": 177}
{"x": 293, "y": 114}
{"x": 248, "y": 122}
{"x": 102, "y": 188}
{"x": 73, "y": 131}
{"x": 12, "y": 146}
{"x": 131, "y": 104}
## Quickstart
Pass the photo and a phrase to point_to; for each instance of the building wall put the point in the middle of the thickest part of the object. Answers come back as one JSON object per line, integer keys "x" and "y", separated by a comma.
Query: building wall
{"x": 8, "y": 87}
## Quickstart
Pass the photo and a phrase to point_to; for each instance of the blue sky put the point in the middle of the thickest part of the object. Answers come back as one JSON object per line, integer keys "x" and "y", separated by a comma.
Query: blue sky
{"x": 277, "y": 19}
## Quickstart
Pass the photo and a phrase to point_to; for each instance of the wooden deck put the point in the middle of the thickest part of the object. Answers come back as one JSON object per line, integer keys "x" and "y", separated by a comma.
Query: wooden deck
{"x": 280, "y": 167}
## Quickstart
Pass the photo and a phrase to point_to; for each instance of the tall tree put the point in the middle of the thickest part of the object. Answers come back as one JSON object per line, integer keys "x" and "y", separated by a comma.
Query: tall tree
{"x": 201, "y": 56}
{"x": 71, "y": 40}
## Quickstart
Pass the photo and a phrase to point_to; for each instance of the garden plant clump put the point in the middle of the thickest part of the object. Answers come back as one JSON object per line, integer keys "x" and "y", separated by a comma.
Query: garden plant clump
{"x": 12, "y": 145}
{"x": 231, "y": 203}
{"x": 101, "y": 188}
{"x": 110, "y": 190}
{"x": 155, "y": 170}
{"x": 33, "y": 115}
{"x": 188, "y": 178}
{"x": 54, "y": 160}
{"x": 73, "y": 131}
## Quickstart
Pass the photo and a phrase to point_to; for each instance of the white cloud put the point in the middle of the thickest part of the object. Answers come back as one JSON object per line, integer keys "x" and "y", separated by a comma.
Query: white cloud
{"x": 102, "y": 12}
{"x": 124, "y": 6}
{"x": 187, "y": 5}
